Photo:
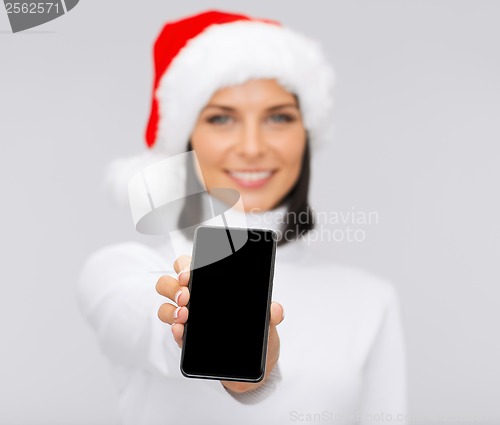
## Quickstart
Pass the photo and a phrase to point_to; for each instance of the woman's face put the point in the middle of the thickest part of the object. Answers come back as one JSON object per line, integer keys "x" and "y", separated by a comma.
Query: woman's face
{"x": 251, "y": 138}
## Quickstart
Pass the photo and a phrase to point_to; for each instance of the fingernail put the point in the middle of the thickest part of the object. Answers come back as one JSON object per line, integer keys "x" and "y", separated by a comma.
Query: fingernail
{"x": 283, "y": 314}
{"x": 176, "y": 312}
{"x": 184, "y": 271}
{"x": 177, "y": 295}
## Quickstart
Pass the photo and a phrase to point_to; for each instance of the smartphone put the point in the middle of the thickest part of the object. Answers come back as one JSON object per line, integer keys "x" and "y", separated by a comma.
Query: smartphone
{"x": 225, "y": 336}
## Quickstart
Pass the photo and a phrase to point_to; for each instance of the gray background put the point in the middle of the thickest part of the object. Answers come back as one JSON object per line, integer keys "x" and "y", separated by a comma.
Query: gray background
{"x": 417, "y": 113}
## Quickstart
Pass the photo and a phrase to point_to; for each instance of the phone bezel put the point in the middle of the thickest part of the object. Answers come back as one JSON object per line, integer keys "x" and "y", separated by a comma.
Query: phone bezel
{"x": 259, "y": 378}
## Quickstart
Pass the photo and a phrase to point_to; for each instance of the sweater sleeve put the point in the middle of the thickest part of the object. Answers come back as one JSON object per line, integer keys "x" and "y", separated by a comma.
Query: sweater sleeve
{"x": 385, "y": 395}
{"x": 117, "y": 295}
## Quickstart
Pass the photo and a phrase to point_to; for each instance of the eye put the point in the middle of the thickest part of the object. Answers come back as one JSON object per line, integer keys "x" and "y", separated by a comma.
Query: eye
{"x": 281, "y": 118}
{"x": 219, "y": 119}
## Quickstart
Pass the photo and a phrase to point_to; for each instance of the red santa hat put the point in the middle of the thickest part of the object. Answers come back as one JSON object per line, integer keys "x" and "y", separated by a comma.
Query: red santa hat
{"x": 197, "y": 55}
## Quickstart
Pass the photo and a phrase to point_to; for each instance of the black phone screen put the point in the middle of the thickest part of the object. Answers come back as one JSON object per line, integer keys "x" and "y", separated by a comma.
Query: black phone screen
{"x": 225, "y": 336}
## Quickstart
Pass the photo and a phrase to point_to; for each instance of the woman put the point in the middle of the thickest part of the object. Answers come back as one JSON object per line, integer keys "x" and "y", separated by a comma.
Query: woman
{"x": 252, "y": 98}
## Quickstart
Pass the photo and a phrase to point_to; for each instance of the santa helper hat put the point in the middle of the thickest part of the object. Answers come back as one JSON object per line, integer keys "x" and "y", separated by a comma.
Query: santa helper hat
{"x": 196, "y": 56}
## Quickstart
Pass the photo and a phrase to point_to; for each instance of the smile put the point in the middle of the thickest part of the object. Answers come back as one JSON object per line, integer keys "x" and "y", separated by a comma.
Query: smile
{"x": 251, "y": 178}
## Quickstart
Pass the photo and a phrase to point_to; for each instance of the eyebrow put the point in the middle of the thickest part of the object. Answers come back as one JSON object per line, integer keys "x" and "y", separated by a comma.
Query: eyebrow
{"x": 230, "y": 108}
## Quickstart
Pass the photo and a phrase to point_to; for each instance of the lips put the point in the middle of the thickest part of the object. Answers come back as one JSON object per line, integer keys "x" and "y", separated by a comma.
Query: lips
{"x": 251, "y": 178}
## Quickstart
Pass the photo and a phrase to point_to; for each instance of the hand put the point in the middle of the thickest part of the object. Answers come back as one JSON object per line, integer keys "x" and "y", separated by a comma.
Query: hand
{"x": 177, "y": 291}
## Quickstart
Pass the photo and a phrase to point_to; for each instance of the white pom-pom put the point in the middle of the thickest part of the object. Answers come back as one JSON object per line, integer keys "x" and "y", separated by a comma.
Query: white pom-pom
{"x": 119, "y": 172}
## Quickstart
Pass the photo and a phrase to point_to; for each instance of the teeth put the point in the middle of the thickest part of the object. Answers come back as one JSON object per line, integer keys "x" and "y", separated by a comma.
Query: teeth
{"x": 251, "y": 176}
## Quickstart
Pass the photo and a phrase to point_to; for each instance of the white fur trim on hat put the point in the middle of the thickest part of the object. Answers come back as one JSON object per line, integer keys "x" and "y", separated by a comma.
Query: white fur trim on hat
{"x": 232, "y": 53}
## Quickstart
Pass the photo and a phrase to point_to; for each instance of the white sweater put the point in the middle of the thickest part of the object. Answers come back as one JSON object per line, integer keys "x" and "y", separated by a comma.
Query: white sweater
{"x": 342, "y": 355}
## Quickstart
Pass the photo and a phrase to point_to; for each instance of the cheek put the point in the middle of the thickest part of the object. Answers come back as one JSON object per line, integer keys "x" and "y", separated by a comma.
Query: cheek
{"x": 292, "y": 155}
{"x": 209, "y": 154}
{"x": 293, "y": 172}
{"x": 208, "y": 149}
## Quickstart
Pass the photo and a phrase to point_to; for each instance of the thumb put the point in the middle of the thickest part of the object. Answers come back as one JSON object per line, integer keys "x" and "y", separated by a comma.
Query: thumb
{"x": 277, "y": 313}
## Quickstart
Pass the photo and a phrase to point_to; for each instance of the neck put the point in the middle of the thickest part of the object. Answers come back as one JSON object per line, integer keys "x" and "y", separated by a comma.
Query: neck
{"x": 255, "y": 218}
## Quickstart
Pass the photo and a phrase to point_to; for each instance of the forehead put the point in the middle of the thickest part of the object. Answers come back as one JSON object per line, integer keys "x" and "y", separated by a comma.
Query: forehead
{"x": 258, "y": 91}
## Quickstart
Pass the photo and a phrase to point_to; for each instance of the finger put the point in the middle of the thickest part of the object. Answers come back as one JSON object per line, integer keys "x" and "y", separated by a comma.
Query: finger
{"x": 169, "y": 287}
{"x": 181, "y": 263}
{"x": 169, "y": 313}
{"x": 178, "y": 332}
{"x": 277, "y": 313}
{"x": 184, "y": 278}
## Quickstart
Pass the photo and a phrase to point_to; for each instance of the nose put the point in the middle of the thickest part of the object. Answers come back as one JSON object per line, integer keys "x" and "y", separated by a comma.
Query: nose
{"x": 251, "y": 143}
